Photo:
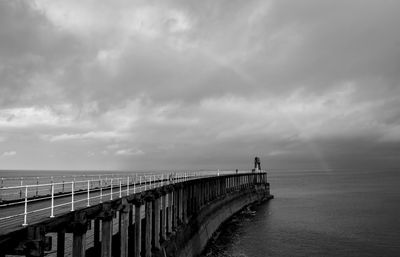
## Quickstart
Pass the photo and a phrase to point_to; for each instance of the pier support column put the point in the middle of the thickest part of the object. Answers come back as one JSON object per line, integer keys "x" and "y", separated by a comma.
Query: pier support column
{"x": 156, "y": 214}
{"x": 79, "y": 227}
{"x": 148, "y": 214}
{"x": 96, "y": 236}
{"x": 138, "y": 230}
{"x": 169, "y": 228}
{"x": 36, "y": 237}
{"x": 61, "y": 243}
{"x": 124, "y": 230}
{"x": 175, "y": 209}
{"x": 180, "y": 205}
{"x": 202, "y": 197}
{"x": 106, "y": 234}
{"x": 163, "y": 219}
{"x": 184, "y": 204}
{"x": 79, "y": 241}
{"x": 208, "y": 191}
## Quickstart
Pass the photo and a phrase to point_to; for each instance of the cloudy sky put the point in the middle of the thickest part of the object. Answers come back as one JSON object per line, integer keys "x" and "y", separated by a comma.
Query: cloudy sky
{"x": 194, "y": 84}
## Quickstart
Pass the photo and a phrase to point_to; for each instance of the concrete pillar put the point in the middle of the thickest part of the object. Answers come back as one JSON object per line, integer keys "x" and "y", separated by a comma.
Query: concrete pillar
{"x": 236, "y": 183}
{"x": 196, "y": 195}
{"x": 96, "y": 236}
{"x": 181, "y": 195}
{"x": 201, "y": 195}
{"x": 163, "y": 219}
{"x": 106, "y": 236}
{"x": 192, "y": 200}
{"x": 138, "y": 231}
{"x": 178, "y": 206}
{"x": 218, "y": 182}
{"x": 36, "y": 236}
{"x": 203, "y": 192}
{"x": 208, "y": 191}
{"x": 224, "y": 186}
{"x": 61, "y": 243}
{"x": 212, "y": 189}
{"x": 169, "y": 227}
{"x": 175, "y": 210}
{"x": 193, "y": 197}
{"x": 156, "y": 214}
{"x": 79, "y": 241}
{"x": 188, "y": 203}
{"x": 148, "y": 214}
{"x": 184, "y": 204}
{"x": 124, "y": 230}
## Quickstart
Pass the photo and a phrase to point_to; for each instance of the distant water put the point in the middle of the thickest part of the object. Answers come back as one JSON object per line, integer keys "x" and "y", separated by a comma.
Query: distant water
{"x": 318, "y": 213}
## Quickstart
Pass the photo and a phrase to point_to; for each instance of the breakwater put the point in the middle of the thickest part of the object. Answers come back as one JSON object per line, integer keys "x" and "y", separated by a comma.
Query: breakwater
{"x": 169, "y": 219}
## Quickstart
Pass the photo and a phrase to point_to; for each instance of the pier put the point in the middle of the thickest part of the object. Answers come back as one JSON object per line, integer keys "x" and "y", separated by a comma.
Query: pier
{"x": 168, "y": 214}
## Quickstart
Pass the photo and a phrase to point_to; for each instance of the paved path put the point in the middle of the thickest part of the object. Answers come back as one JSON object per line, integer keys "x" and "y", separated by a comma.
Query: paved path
{"x": 41, "y": 208}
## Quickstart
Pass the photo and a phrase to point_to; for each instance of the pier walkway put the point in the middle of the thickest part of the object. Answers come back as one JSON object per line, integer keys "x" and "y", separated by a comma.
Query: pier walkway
{"x": 21, "y": 205}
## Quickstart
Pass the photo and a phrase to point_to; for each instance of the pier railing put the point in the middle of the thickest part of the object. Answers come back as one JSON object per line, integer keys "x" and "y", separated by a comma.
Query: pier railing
{"x": 25, "y": 203}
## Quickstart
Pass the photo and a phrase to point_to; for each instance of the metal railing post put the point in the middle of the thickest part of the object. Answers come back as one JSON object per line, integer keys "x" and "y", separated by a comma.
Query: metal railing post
{"x": 72, "y": 194}
{"x": 150, "y": 182}
{"x": 1, "y": 189}
{"x": 51, "y": 181}
{"x": 111, "y": 189}
{"x": 127, "y": 186}
{"x": 120, "y": 188}
{"x": 26, "y": 207}
{"x": 20, "y": 189}
{"x": 37, "y": 186}
{"x": 52, "y": 200}
{"x": 134, "y": 185}
{"x": 101, "y": 190}
{"x": 88, "y": 193}
{"x": 63, "y": 184}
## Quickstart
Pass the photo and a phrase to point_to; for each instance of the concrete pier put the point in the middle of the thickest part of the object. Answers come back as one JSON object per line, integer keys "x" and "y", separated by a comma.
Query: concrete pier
{"x": 175, "y": 219}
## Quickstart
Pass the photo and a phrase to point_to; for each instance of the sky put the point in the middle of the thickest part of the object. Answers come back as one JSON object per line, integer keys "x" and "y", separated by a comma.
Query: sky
{"x": 188, "y": 84}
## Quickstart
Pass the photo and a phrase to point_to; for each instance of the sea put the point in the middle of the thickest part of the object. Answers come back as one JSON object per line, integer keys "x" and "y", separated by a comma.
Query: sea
{"x": 318, "y": 213}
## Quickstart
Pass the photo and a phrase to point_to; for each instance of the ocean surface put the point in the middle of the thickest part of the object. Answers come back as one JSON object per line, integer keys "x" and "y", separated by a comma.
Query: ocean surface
{"x": 319, "y": 213}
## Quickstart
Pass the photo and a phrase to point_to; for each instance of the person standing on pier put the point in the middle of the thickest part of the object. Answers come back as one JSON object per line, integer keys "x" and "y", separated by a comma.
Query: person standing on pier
{"x": 257, "y": 164}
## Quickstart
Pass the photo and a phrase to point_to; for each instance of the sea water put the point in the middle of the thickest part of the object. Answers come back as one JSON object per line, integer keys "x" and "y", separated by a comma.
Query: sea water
{"x": 320, "y": 213}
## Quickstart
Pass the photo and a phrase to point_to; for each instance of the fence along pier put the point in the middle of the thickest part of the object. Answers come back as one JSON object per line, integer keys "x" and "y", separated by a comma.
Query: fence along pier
{"x": 158, "y": 215}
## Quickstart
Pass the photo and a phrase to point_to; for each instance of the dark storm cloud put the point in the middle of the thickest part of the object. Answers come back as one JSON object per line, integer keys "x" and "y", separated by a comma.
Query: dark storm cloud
{"x": 33, "y": 53}
{"x": 200, "y": 84}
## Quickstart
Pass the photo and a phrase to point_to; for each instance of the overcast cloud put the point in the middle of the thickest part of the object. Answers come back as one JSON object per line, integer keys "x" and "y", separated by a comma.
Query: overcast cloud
{"x": 199, "y": 84}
